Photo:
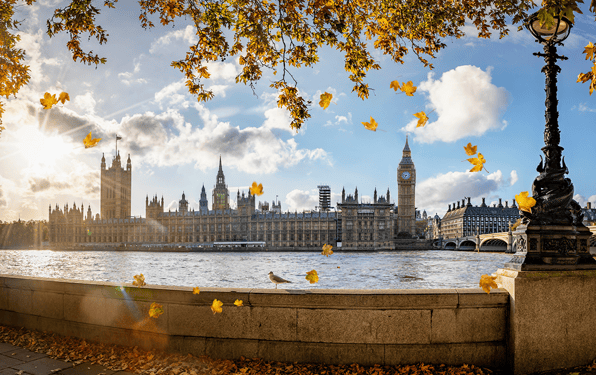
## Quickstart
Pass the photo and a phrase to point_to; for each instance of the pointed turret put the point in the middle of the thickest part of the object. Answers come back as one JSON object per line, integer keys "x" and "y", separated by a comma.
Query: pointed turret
{"x": 356, "y": 195}
{"x": 103, "y": 161}
{"x": 343, "y": 195}
{"x": 388, "y": 196}
{"x": 406, "y": 158}
{"x": 375, "y": 195}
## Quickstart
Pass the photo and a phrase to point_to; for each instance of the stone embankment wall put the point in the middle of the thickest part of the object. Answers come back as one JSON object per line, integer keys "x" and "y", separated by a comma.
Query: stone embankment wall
{"x": 451, "y": 326}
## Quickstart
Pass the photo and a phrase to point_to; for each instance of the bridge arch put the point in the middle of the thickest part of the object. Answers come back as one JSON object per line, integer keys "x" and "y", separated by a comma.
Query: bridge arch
{"x": 493, "y": 244}
{"x": 450, "y": 245}
{"x": 467, "y": 245}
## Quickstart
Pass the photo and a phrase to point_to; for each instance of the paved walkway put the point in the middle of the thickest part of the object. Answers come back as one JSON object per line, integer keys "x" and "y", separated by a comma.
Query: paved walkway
{"x": 19, "y": 361}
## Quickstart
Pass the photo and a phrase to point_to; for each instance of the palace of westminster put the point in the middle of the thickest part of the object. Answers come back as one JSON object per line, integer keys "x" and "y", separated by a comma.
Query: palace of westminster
{"x": 354, "y": 225}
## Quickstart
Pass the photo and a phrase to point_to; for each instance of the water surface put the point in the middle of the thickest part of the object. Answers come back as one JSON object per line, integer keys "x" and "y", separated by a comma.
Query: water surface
{"x": 430, "y": 269}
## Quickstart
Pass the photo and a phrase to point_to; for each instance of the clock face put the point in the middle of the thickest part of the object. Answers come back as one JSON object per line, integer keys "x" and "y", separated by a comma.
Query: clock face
{"x": 405, "y": 175}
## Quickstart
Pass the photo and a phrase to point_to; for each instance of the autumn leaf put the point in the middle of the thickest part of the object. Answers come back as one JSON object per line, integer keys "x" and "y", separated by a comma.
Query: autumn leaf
{"x": 48, "y": 100}
{"x": 139, "y": 280}
{"x": 327, "y": 250}
{"x": 524, "y": 202}
{"x": 216, "y": 306}
{"x": 470, "y": 150}
{"x": 589, "y": 51}
{"x": 89, "y": 232}
{"x": 63, "y": 97}
{"x": 238, "y": 302}
{"x": 478, "y": 163}
{"x": 325, "y": 100}
{"x": 487, "y": 282}
{"x": 195, "y": 290}
{"x": 394, "y": 85}
{"x": 372, "y": 125}
{"x": 155, "y": 310}
{"x": 256, "y": 190}
{"x": 88, "y": 142}
{"x": 312, "y": 276}
{"x": 422, "y": 119}
{"x": 408, "y": 88}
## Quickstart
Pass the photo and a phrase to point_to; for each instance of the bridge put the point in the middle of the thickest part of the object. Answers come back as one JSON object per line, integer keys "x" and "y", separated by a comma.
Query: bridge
{"x": 492, "y": 242}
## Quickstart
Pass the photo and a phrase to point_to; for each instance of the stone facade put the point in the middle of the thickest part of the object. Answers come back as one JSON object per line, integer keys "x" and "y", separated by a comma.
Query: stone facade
{"x": 465, "y": 219}
{"x": 356, "y": 225}
{"x": 406, "y": 194}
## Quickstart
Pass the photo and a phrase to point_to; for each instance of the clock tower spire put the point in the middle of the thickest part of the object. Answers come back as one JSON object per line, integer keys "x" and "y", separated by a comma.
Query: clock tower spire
{"x": 406, "y": 193}
{"x": 221, "y": 196}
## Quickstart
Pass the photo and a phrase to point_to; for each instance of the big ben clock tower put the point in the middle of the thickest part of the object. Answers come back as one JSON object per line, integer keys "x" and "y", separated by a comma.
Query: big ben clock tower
{"x": 221, "y": 197}
{"x": 406, "y": 193}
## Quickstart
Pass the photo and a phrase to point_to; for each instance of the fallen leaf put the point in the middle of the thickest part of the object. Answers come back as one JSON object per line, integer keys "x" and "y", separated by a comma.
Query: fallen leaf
{"x": 195, "y": 290}
{"x": 139, "y": 280}
{"x": 48, "y": 100}
{"x": 422, "y": 118}
{"x": 408, "y": 88}
{"x": 238, "y": 302}
{"x": 256, "y": 189}
{"x": 524, "y": 202}
{"x": 372, "y": 125}
{"x": 63, "y": 97}
{"x": 589, "y": 50}
{"x": 394, "y": 85}
{"x": 327, "y": 250}
{"x": 216, "y": 306}
{"x": 155, "y": 310}
{"x": 88, "y": 142}
{"x": 325, "y": 100}
{"x": 487, "y": 282}
{"x": 470, "y": 150}
{"x": 312, "y": 276}
{"x": 478, "y": 163}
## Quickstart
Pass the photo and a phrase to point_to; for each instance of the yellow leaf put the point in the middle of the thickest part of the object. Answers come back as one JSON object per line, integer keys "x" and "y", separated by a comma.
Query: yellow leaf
{"x": 88, "y": 142}
{"x": 372, "y": 125}
{"x": 155, "y": 310}
{"x": 524, "y": 202}
{"x": 48, "y": 100}
{"x": 89, "y": 232}
{"x": 422, "y": 119}
{"x": 327, "y": 250}
{"x": 589, "y": 50}
{"x": 63, "y": 97}
{"x": 325, "y": 100}
{"x": 470, "y": 150}
{"x": 408, "y": 88}
{"x": 477, "y": 162}
{"x": 139, "y": 280}
{"x": 216, "y": 306}
{"x": 312, "y": 276}
{"x": 195, "y": 290}
{"x": 238, "y": 302}
{"x": 394, "y": 85}
{"x": 487, "y": 282}
{"x": 256, "y": 189}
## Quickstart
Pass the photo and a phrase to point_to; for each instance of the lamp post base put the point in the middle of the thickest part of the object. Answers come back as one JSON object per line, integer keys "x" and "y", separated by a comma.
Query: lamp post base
{"x": 551, "y": 247}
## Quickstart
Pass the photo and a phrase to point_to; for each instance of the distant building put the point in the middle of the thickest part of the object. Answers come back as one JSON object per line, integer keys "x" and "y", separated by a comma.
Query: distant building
{"x": 355, "y": 225}
{"x": 589, "y": 214}
{"x": 466, "y": 220}
{"x": 324, "y": 197}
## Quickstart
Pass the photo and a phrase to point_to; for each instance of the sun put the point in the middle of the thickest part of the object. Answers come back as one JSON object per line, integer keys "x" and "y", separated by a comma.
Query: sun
{"x": 37, "y": 148}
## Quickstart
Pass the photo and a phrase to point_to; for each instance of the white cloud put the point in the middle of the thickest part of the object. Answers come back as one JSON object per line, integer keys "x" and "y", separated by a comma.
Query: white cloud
{"x": 513, "y": 177}
{"x": 166, "y": 139}
{"x": 300, "y": 200}
{"x": 126, "y": 77}
{"x": 583, "y": 108}
{"x": 86, "y": 103}
{"x": 169, "y": 96}
{"x": 188, "y": 35}
{"x": 435, "y": 193}
{"x": 466, "y": 103}
{"x": 582, "y": 200}
{"x": 340, "y": 119}
{"x": 218, "y": 90}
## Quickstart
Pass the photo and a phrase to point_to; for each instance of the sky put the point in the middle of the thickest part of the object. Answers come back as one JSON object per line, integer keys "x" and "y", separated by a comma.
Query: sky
{"x": 487, "y": 92}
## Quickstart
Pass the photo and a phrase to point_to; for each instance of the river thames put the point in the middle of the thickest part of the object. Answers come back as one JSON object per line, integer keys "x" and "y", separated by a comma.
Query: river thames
{"x": 431, "y": 269}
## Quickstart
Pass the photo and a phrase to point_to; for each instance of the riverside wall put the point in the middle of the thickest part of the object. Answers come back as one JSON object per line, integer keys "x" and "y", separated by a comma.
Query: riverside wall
{"x": 451, "y": 326}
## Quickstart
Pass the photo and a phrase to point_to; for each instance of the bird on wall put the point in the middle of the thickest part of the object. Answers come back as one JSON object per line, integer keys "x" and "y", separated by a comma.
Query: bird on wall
{"x": 277, "y": 280}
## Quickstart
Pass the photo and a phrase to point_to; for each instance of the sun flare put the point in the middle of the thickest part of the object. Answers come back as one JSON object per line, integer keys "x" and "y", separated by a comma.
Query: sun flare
{"x": 38, "y": 148}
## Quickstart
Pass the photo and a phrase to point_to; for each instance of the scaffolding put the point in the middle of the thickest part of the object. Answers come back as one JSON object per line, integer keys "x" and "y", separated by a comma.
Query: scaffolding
{"x": 324, "y": 197}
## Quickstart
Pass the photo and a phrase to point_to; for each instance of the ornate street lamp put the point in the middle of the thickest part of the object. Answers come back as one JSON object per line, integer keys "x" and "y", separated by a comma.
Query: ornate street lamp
{"x": 552, "y": 236}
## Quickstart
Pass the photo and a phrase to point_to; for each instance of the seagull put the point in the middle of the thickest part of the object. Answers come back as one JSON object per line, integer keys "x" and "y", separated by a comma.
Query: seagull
{"x": 277, "y": 280}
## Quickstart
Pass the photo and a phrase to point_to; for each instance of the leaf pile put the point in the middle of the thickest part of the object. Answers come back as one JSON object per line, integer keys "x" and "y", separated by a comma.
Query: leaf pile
{"x": 135, "y": 360}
